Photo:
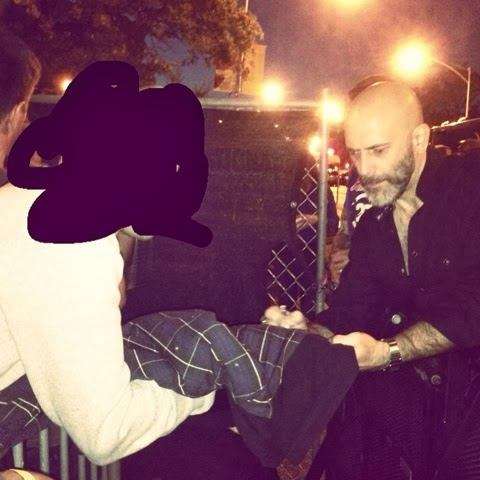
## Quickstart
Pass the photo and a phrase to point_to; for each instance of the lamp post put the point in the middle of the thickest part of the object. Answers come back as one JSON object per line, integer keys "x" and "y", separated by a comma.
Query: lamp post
{"x": 467, "y": 80}
{"x": 415, "y": 57}
{"x": 322, "y": 162}
{"x": 273, "y": 93}
{"x": 331, "y": 112}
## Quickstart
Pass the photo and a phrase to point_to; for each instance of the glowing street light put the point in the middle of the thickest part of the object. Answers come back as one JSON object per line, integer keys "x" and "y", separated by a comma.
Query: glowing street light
{"x": 333, "y": 110}
{"x": 315, "y": 145}
{"x": 64, "y": 83}
{"x": 413, "y": 59}
{"x": 273, "y": 93}
{"x": 351, "y": 5}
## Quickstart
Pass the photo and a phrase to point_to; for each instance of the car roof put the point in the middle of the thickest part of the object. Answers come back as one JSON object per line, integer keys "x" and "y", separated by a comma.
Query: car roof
{"x": 453, "y": 132}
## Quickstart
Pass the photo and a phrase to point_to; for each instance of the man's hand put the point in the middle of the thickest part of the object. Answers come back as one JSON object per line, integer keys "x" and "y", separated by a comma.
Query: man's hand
{"x": 12, "y": 475}
{"x": 371, "y": 354}
{"x": 338, "y": 261}
{"x": 302, "y": 221}
{"x": 279, "y": 317}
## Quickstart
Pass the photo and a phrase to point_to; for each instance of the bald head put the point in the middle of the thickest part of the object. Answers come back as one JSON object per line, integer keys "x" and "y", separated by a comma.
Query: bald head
{"x": 387, "y": 139}
{"x": 385, "y": 106}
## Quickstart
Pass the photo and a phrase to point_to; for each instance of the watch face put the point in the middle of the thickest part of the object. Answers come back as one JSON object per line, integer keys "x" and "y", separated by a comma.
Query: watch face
{"x": 396, "y": 358}
{"x": 395, "y": 355}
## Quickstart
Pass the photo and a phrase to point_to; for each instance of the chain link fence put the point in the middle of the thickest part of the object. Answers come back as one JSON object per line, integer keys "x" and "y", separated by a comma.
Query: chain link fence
{"x": 291, "y": 272}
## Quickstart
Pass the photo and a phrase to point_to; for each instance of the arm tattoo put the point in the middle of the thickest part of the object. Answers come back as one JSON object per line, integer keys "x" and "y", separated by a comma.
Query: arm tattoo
{"x": 321, "y": 330}
{"x": 422, "y": 340}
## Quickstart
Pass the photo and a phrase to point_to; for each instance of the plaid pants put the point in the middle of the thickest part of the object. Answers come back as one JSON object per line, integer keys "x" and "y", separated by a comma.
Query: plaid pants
{"x": 189, "y": 352}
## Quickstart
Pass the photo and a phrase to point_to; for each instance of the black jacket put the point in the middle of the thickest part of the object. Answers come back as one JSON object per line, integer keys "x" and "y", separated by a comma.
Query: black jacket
{"x": 443, "y": 287}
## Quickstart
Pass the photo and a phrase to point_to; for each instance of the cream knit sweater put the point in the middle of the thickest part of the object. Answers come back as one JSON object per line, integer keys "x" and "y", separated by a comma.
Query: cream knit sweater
{"x": 60, "y": 324}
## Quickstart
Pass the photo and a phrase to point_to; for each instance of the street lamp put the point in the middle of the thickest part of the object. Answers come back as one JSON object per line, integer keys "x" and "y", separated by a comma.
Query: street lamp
{"x": 332, "y": 109}
{"x": 413, "y": 59}
{"x": 64, "y": 83}
{"x": 350, "y": 5}
{"x": 314, "y": 145}
{"x": 273, "y": 93}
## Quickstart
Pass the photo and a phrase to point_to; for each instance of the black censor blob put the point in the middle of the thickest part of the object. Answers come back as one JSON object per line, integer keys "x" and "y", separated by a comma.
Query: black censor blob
{"x": 129, "y": 157}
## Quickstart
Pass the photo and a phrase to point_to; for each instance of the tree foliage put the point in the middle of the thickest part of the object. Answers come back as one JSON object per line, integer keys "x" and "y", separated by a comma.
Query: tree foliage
{"x": 67, "y": 35}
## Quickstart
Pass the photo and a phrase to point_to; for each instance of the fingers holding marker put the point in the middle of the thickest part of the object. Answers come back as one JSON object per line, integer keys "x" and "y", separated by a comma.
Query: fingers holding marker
{"x": 279, "y": 316}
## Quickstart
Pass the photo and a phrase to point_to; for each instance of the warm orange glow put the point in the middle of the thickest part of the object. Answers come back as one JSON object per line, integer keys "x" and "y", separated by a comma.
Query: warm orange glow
{"x": 314, "y": 145}
{"x": 64, "y": 83}
{"x": 351, "y": 4}
{"x": 412, "y": 59}
{"x": 273, "y": 93}
{"x": 333, "y": 110}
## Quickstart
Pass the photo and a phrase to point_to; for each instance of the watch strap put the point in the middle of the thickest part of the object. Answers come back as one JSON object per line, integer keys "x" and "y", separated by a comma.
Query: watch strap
{"x": 395, "y": 355}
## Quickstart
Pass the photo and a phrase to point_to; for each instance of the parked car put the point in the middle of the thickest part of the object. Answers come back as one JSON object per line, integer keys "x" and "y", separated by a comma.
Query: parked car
{"x": 459, "y": 136}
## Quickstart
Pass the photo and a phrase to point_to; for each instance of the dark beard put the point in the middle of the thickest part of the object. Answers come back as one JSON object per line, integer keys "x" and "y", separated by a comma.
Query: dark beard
{"x": 397, "y": 182}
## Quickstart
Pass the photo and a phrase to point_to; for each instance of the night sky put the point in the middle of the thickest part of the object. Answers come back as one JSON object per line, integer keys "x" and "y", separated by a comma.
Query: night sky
{"x": 314, "y": 43}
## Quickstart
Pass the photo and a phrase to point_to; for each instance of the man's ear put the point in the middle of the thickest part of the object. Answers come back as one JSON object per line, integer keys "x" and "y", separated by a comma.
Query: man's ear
{"x": 20, "y": 112}
{"x": 4, "y": 131}
{"x": 421, "y": 137}
{"x": 16, "y": 118}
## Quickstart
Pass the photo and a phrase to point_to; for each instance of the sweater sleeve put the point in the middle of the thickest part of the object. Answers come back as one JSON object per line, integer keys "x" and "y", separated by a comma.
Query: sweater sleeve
{"x": 60, "y": 303}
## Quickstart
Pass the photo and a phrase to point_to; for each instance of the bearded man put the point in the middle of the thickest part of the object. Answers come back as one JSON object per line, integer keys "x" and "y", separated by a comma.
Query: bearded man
{"x": 408, "y": 302}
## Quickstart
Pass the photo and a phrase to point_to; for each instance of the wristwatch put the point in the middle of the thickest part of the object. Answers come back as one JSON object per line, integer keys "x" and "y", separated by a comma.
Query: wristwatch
{"x": 395, "y": 356}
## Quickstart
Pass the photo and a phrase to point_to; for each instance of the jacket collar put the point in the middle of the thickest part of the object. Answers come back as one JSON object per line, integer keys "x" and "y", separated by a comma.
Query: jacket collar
{"x": 430, "y": 180}
{"x": 428, "y": 184}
